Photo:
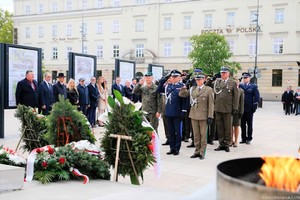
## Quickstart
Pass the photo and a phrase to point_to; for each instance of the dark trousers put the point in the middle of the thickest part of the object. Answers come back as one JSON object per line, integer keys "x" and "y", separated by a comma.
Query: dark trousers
{"x": 165, "y": 122}
{"x": 224, "y": 127}
{"x": 174, "y": 124}
{"x": 83, "y": 109}
{"x": 288, "y": 108}
{"x": 91, "y": 115}
{"x": 247, "y": 126}
{"x": 211, "y": 129}
{"x": 186, "y": 126}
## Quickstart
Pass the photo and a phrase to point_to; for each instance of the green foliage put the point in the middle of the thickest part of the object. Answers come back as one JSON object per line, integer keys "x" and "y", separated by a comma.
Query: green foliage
{"x": 210, "y": 52}
{"x": 6, "y": 24}
{"x": 63, "y": 108}
{"x": 33, "y": 127}
{"x": 123, "y": 120}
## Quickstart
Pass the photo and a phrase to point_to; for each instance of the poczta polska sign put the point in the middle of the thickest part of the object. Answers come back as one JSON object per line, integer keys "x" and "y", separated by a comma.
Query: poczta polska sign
{"x": 237, "y": 30}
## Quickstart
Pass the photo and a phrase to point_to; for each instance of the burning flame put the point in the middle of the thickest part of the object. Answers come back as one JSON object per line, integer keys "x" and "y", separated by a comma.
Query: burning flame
{"x": 281, "y": 173}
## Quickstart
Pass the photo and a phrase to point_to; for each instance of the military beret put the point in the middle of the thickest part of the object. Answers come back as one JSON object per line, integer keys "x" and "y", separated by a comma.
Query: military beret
{"x": 246, "y": 74}
{"x": 148, "y": 74}
{"x": 175, "y": 73}
{"x": 224, "y": 69}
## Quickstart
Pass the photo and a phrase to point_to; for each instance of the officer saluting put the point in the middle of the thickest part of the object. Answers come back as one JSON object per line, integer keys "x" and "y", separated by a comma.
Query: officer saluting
{"x": 226, "y": 104}
{"x": 201, "y": 113}
{"x": 250, "y": 105}
{"x": 175, "y": 106}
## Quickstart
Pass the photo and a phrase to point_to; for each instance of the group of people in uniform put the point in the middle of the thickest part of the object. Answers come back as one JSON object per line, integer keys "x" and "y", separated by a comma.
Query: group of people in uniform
{"x": 216, "y": 101}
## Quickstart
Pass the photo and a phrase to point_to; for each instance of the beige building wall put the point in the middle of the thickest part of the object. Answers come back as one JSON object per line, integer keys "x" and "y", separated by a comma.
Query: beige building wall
{"x": 30, "y": 15}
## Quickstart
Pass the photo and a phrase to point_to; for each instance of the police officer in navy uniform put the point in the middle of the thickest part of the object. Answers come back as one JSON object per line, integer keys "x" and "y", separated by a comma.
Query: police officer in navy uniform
{"x": 175, "y": 106}
{"x": 250, "y": 105}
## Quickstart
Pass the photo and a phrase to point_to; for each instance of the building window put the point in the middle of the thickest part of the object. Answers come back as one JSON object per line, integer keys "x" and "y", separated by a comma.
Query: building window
{"x": 54, "y": 53}
{"x": 99, "y": 28}
{"x": 231, "y": 45}
{"x": 253, "y": 16}
{"x": 252, "y": 47}
{"x": 139, "y": 2}
{"x": 27, "y": 32}
{"x": 54, "y": 30}
{"x": 69, "y": 49}
{"x": 27, "y": 9}
{"x": 187, "y": 48}
{"x": 278, "y": 46}
{"x": 116, "y": 26}
{"x": 207, "y": 20}
{"x": 167, "y": 49}
{"x": 277, "y": 77}
{"x": 41, "y": 9}
{"x": 116, "y": 3}
{"x": 279, "y": 15}
{"x": 139, "y": 25}
{"x": 230, "y": 18}
{"x": 187, "y": 22}
{"x": 116, "y": 51}
{"x": 85, "y": 50}
{"x": 41, "y": 31}
{"x": 54, "y": 7}
{"x": 99, "y": 51}
{"x": 167, "y": 23}
{"x": 69, "y": 30}
{"x": 69, "y": 5}
{"x": 100, "y": 4}
{"x": 139, "y": 51}
{"x": 84, "y": 4}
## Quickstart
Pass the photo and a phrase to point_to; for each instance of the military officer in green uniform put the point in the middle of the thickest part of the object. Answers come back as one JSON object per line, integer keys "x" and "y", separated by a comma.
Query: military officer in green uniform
{"x": 226, "y": 105}
{"x": 151, "y": 103}
{"x": 201, "y": 113}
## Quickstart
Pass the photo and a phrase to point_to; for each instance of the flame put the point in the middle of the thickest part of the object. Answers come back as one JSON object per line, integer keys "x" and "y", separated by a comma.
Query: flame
{"x": 281, "y": 173}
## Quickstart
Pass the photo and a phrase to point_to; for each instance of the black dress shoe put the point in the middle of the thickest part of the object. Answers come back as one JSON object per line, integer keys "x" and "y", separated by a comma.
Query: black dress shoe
{"x": 242, "y": 142}
{"x": 166, "y": 143}
{"x": 201, "y": 157}
{"x": 186, "y": 140}
{"x": 219, "y": 149}
{"x": 195, "y": 156}
{"x": 227, "y": 149}
{"x": 176, "y": 153}
{"x": 211, "y": 143}
{"x": 191, "y": 145}
{"x": 170, "y": 152}
{"x": 248, "y": 142}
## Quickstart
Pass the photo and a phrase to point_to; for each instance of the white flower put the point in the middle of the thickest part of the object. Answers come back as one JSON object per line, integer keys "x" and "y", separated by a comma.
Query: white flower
{"x": 137, "y": 106}
{"x": 17, "y": 159}
{"x": 126, "y": 101}
{"x": 85, "y": 145}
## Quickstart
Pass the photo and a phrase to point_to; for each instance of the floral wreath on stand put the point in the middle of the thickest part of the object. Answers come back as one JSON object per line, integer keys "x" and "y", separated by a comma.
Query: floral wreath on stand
{"x": 124, "y": 118}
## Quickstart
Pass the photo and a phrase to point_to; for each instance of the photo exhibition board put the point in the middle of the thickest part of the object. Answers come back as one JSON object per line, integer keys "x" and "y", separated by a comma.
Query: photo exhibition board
{"x": 84, "y": 68}
{"x": 126, "y": 71}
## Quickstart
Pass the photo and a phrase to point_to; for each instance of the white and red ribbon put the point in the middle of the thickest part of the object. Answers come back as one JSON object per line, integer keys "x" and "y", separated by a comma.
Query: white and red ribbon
{"x": 76, "y": 172}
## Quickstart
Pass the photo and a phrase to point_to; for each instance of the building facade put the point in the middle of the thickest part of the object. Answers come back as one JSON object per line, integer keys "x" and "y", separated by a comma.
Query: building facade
{"x": 158, "y": 31}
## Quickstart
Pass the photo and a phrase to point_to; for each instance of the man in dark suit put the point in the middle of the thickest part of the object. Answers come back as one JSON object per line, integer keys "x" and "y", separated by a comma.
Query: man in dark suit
{"x": 46, "y": 94}
{"x": 175, "y": 108}
{"x": 251, "y": 98}
{"x": 118, "y": 86}
{"x": 27, "y": 91}
{"x": 287, "y": 100}
{"x": 60, "y": 88}
{"x": 94, "y": 98}
{"x": 84, "y": 99}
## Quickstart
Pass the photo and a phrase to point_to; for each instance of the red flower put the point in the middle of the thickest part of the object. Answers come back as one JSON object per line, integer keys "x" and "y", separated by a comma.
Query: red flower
{"x": 44, "y": 164}
{"x": 62, "y": 160}
{"x": 38, "y": 150}
{"x": 50, "y": 150}
{"x": 151, "y": 147}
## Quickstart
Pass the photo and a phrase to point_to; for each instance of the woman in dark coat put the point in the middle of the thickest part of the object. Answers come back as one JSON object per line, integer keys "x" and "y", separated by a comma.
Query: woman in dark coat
{"x": 72, "y": 93}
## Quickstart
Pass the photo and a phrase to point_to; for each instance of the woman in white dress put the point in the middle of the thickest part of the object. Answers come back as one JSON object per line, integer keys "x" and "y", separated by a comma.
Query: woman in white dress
{"x": 102, "y": 103}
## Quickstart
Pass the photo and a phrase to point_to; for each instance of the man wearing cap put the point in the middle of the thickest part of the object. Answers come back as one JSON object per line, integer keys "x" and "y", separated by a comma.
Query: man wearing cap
{"x": 151, "y": 103}
{"x": 251, "y": 99}
{"x": 60, "y": 88}
{"x": 84, "y": 99}
{"x": 175, "y": 106}
{"x": 201, "y": 113}
{"x": 226, "y": 105}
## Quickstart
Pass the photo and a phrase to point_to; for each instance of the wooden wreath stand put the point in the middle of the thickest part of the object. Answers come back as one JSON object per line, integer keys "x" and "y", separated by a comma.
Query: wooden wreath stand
{"x": 119, "y": 138}
{"x": 63, "y": 137}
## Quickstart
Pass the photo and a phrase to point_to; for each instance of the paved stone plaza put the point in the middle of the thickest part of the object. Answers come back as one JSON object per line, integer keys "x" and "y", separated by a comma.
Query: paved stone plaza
{"x": 181, "y": 176}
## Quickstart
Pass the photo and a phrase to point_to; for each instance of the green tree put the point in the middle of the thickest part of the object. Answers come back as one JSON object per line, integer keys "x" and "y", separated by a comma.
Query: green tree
{"x": 6, "y": 27}
{"x": 211, "y": 52}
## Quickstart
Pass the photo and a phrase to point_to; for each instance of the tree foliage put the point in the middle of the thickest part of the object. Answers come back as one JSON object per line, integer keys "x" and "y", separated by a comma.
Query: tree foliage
{"x": 6, "y": 27}
{"x": 211, "y": 52}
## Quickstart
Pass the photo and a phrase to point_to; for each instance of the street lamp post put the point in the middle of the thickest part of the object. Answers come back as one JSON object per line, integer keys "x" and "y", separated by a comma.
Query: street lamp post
{"x": 257, "y": 29}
